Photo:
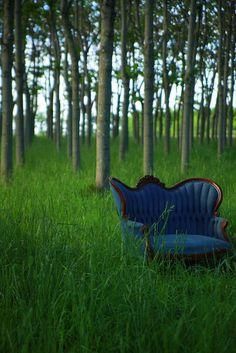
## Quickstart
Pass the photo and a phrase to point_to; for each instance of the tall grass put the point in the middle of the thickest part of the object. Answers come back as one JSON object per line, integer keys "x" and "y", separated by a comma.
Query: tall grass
{"x": 67, "y": 284}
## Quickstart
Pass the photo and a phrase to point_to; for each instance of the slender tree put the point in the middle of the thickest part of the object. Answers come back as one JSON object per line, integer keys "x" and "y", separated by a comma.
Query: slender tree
{"x": 19, "y": 65}
{"x": 196, "y": 31}
{"x": 28, "y": 113}
{"x": 65, "y": 7}
{"x": 208, "y": 101}
{"x": 116, "y": 116}
{"x": 228, "y": 38}
{"x": 33, "y": 90}
{"x": 124, "y": 138}
{"x": 148, "y": 89}
{"x": 69, "y": 102}
{"x": 50, "y": 97}
{"x": 232, "y": 75}
{"x": 166, "y": 78}
{"x": 0, "y": 106}
{"x": 87, "y": 37}
{"x": 221, "y": 116}
{"x": 7, "y": 99}
{"x": 188, "y": 91}
{"x": 57, "y": 73}
{"x": 104, "y": 93}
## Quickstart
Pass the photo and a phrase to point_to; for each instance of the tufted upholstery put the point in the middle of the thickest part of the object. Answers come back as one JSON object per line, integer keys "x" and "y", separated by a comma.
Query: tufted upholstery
{"x": 189, "y": 207}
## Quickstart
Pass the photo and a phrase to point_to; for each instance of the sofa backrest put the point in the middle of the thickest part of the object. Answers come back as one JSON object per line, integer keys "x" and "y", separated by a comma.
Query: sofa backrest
{"x": 187, "y": 207}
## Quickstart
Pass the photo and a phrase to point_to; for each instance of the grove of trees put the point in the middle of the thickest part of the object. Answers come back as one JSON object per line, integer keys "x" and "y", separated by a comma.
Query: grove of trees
{"x": 141, "y": 69}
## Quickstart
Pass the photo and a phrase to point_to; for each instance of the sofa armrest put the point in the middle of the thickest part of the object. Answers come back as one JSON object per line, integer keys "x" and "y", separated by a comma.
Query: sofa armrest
{"x": 137, "y": 229}
{"x": 219, "y": 225}
{"x": 141, "y": 234}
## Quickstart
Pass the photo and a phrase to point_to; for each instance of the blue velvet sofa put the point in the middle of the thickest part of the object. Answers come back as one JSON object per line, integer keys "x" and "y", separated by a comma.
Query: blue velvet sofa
{"x": 180, "y": 221}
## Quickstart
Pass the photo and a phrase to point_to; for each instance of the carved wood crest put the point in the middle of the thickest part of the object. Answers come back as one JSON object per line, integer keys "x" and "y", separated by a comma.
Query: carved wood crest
{"x": 149, "y": 179}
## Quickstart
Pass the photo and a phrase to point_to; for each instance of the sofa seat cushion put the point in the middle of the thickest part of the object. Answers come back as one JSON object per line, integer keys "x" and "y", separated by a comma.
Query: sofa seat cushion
{"x": 187, "y": 244}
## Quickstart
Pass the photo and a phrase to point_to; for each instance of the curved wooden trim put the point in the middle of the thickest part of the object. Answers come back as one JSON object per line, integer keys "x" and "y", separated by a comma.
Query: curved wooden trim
{"x": 224, "y": 224}
{"x": 122, "y": 198}
{"x": 147, "y": 179}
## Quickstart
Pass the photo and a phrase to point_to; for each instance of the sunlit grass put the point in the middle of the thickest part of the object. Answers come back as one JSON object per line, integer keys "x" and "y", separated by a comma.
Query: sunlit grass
{"x": 67, "y": 284}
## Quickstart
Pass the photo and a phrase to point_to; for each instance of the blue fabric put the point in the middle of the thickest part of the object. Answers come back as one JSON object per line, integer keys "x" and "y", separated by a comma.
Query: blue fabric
{"x": 190, "y": 244}
{"x": 133, "y": 237}
{"x": 130, "y": 227}
{"x": 187, "y": 209}
{"x": 181, "y": 244}
{"x": 178, "y": 221}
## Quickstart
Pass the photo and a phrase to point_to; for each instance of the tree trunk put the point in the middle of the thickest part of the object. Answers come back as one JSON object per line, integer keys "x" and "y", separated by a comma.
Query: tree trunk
{"x": 104, "y": 94}
{"x": 116, "y": 117}
{"x": 124, "y": 138}
{"x": 50, "y": 114}
{"x": 156, "y": 114}
{"x": 215, "y": 119}
{"x": 34, "y": 91}
{"x": 178, "y": 119}
{"x": 19, "y": 65}
{"x": 188, "y": 92}
{"x": 135, "y": 114}
{"x": 198, "y": 123}
{"x": 50, "y": 102}
{"x": 232, "y": 49}
{"x": 27, "y": 113}
{"x": 148, "y": 89}
{"x": 226, "y": 71}
{"x": 208, "y": 107}
{"x": 58, "y": 112}
{"x": 220, "y": 83}
{"x": 142, "y": 120}
{"x": 89, "y": 100}
{"x": 136, "y": 127}
{"x": 196, "y": 32}
{"x": 202, "y": 108}
{"x": 83, "y": 110}
{"x": 160, "y": 116}
{"x": 175, "y": 113}
{"x": 75, "y": 84}
{"x": 181, "y": 101}
{"x": 89, "y": 113}
{"x": 0, "y": 107}
{"x": 203, "y": 119}
{"x": 69, "y": 102}
{"x": 166, "y": 80}
{"x": 57, "y": 56}
{"x": 7, "y": 99}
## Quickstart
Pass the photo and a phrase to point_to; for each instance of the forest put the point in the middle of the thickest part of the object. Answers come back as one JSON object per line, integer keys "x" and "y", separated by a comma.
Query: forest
{"x": 128, "y": 88}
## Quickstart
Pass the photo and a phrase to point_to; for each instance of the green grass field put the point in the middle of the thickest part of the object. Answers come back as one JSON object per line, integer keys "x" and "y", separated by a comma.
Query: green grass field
{"x": 67, "y": 284}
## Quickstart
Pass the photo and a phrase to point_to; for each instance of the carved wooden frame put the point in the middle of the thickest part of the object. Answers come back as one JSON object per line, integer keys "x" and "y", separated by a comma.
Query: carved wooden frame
{"x": 150, "y": 179}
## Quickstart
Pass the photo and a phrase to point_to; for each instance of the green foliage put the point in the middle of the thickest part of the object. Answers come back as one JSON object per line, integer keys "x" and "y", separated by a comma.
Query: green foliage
{"x": 67, "y": 284}
{"x": 134, "y": 71}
